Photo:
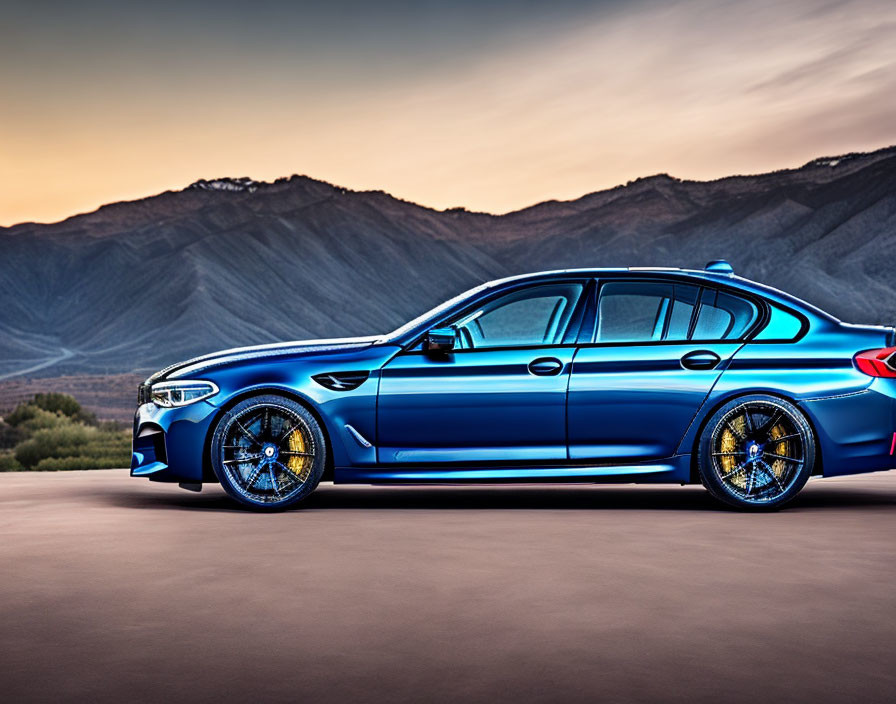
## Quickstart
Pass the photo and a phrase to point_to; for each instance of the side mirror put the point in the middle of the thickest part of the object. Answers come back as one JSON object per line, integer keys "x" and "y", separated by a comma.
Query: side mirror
{"x": 440, "y": 340}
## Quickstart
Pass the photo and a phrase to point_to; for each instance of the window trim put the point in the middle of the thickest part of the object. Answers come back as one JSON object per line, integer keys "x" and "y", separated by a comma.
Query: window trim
{"x": 801, "y": 333}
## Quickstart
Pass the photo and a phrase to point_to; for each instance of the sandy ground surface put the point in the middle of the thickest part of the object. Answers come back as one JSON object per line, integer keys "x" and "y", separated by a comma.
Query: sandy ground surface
{"x": 115, "y": 589}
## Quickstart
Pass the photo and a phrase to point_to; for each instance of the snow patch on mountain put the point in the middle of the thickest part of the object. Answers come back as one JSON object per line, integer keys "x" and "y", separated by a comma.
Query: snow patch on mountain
{"x": 833, "y": 161}
{"x": 239, "y": 184}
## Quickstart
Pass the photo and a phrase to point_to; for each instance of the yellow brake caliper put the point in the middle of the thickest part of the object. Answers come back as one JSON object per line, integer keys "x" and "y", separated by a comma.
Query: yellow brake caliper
{"x": 729, "y": 443}
{"x": 300, "y": 465}
{"x": 780, "y": 448}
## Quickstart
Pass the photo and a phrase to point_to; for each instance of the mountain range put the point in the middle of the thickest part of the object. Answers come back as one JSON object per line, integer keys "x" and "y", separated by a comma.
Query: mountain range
{"x": 222, "y": 263}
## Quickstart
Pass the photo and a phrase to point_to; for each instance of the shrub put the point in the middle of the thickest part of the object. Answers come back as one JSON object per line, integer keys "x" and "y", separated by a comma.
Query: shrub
{"x": 60, "y": 441}
{"x": 51, "y": 404}
{"x": 8, "y": 463}
{"x": 64, "y": 404}
{"x": 22, "y": 413}
{"x": 10, "y": 435}
{"x": 39, "y": 419}
{"x": 75, "y": 440}
{"x": 54, "y": 433}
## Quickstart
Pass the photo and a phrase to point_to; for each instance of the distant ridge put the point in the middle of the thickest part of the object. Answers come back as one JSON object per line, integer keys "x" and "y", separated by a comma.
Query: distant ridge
{"x": 234, "y": 261}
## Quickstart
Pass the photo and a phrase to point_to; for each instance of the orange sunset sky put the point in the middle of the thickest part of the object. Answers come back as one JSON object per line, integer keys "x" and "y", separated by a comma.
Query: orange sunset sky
{"x": 488, "y": 105}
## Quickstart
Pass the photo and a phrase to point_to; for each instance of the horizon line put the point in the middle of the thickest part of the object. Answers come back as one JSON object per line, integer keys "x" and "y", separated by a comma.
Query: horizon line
{"x": 194, "y": 185}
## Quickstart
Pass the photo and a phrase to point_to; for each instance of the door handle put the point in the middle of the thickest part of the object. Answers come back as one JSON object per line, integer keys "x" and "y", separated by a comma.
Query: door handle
{"x": 700, "y": 359}
{"x": 545, "y": 366}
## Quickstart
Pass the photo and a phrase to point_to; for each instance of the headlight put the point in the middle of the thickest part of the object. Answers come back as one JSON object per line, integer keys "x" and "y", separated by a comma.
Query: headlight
{"x": 170, "y": 394}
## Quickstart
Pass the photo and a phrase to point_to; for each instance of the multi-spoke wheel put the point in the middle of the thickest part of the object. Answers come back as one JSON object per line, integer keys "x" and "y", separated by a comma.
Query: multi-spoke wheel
{"x": 756, "y": 452}
{"x": 268, "y": 452}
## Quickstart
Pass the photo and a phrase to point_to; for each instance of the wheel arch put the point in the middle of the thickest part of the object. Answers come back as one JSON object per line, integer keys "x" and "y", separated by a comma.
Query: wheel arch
{"x": 208, "y": 474}
{"x": 710, "y": 411}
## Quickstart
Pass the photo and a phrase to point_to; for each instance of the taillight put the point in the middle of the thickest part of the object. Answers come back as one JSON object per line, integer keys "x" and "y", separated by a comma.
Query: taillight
{"x": 877, "y": 362}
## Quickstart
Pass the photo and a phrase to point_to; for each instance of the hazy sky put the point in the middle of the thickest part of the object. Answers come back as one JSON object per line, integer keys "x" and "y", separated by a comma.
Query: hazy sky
{"x": 488, "y": 105}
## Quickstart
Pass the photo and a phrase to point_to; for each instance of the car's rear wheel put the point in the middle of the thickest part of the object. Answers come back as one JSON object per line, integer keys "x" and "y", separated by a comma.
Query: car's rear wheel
{"x": 268, "y": 452}
{"x": 756, "y": 452}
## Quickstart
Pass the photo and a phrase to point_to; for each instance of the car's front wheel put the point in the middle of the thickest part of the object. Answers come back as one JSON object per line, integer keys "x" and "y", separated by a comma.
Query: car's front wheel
{"x": 268, "y": 452}
{"x": 756, "y": 452}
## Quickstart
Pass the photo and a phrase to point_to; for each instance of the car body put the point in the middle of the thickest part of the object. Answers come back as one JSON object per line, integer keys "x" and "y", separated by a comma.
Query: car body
{"x": 590, "y": 375}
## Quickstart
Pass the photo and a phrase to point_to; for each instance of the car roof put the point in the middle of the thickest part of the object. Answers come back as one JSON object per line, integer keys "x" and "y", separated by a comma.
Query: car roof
{"x": 717, "y": 272}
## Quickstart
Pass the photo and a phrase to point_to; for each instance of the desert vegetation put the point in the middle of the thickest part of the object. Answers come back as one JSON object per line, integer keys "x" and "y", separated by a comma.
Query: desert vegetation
{"x": 51, "y": 431}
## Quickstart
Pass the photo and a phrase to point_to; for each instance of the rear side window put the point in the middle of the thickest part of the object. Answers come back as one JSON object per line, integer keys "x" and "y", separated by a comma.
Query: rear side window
{"x": 723, "y": 316}
{"x": 680, "y": 313}
{"x": 782, "y": 325}
{"x": 644, "y": 311}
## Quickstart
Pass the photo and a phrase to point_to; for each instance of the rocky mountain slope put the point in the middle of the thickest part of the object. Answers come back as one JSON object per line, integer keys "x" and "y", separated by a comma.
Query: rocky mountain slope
{"x": 137, "y": 285}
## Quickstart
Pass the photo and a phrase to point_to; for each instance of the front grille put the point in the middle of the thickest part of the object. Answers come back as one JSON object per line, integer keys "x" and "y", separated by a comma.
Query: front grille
{"x": 144, "y": 394}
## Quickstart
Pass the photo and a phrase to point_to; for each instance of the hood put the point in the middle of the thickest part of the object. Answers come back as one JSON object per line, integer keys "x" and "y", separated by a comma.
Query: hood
{"x": 278, "y": 349}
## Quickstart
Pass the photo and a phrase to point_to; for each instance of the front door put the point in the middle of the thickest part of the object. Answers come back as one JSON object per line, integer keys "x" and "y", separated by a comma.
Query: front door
{"x": 657, "y": 350}
{"x": 499, "y": 396}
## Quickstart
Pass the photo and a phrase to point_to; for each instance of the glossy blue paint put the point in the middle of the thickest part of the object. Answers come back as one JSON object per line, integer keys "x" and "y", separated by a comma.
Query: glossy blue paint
{"x": 635, "y": 402}
{"x": 165, "y": 441}
{"x": 473, "y": 406}
{"x": 608, "y": 412}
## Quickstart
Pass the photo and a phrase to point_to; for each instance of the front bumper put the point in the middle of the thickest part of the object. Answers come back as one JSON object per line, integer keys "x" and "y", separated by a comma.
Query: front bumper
{"x": 170, "y": 444}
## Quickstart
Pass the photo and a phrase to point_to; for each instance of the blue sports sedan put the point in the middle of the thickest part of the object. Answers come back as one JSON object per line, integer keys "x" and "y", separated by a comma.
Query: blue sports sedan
{"x": 592, "y": 375}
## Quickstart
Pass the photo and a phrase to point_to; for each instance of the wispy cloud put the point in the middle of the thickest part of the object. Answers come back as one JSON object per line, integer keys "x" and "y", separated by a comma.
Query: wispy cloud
{"x": 518, "y": 106}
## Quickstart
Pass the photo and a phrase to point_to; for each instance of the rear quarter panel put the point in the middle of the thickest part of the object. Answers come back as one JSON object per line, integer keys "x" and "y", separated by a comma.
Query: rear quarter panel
{"x": 852, "y": 414}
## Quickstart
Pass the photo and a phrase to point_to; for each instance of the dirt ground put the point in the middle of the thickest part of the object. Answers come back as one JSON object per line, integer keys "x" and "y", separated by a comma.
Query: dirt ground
{"x": 116, "y": 589}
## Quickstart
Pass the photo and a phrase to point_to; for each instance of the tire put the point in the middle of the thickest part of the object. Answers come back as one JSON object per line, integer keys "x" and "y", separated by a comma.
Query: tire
{"x": 756, "y": 452}
{"x": 268, "y": 452}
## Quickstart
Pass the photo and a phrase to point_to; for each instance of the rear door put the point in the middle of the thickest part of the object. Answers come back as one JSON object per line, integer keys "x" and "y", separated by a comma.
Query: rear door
{"x": 656, "y": 350}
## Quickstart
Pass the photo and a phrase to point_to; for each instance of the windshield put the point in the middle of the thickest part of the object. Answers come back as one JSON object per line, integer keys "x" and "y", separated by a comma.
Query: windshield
{"x": 436, "y": 312}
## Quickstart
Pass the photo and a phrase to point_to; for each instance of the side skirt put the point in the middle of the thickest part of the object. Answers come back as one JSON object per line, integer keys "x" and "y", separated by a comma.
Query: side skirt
{"x": 670, "y": 470}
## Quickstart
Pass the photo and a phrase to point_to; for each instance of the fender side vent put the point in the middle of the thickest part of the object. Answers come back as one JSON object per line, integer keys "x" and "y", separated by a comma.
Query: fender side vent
{"x": 364, "y": 442}
{"x": 341, "y": 381}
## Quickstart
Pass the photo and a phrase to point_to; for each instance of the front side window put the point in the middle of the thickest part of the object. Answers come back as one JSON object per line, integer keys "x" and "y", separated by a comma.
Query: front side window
{"x": 533, "y": 316}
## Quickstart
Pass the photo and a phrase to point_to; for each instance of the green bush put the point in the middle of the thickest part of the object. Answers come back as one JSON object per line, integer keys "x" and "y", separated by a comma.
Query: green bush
{"x": 22, "y": 413}
{"x": 8, "y": 463}
{"x": 53, "y": 404}
{"x": 64, "y": 404}
{"x": 55, "y": 433}
{"x": 61, "y": 441}
{"x": 10, "y": 435}
{"x": 39, "y": 419}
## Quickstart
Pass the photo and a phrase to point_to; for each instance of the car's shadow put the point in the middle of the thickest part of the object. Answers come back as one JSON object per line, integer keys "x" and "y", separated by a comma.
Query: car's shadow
{"x": 441, "y": 498}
